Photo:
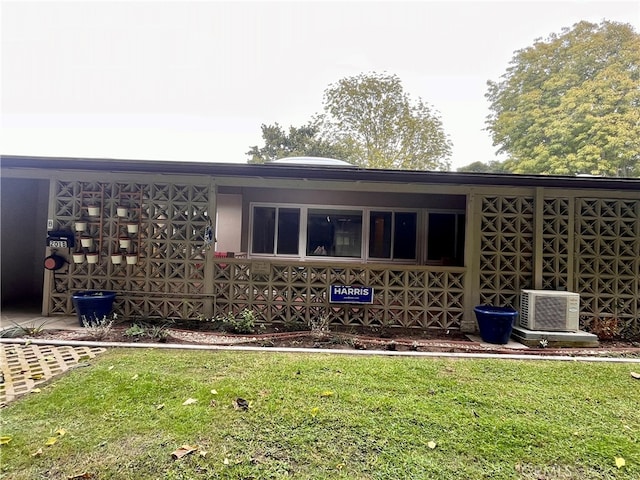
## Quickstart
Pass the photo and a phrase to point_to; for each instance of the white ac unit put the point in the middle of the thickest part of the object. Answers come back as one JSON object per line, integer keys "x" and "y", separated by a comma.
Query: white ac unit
{"x": 548, "y": 310}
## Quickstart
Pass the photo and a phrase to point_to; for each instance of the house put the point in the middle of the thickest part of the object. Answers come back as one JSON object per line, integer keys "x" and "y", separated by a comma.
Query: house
{"x": 202, "y": 239}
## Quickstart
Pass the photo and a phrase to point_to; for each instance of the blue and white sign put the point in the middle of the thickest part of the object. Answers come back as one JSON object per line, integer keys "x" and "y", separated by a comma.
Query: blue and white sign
{"x": 350, "y": 294}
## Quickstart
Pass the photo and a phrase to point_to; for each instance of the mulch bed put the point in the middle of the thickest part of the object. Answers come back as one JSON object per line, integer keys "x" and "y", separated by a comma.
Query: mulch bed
{"x": 454, "y": 342}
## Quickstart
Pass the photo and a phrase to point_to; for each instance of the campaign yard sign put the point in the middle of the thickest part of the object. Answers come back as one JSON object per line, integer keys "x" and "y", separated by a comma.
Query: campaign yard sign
{"x": 350, "y": 294}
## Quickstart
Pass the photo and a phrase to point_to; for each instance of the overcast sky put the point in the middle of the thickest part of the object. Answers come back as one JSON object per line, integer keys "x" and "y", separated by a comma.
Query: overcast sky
{"x": 178, "y": 80}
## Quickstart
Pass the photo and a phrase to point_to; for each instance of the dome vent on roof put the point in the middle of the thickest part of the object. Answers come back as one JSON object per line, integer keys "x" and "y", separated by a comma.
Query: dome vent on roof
{"x": 311, "y": 162}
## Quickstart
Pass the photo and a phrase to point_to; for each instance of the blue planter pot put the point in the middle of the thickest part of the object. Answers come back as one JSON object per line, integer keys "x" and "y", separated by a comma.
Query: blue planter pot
{"x": 93, "y": 306}
{"x": 495, "y": 323}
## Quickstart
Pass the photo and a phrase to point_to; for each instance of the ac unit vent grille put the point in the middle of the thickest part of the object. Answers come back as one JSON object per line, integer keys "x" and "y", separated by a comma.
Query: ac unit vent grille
{"x": 551, "y": 313}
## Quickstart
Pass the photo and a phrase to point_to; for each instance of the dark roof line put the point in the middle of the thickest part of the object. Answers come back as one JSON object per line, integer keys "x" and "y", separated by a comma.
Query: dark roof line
{"x": 333, "y": 173}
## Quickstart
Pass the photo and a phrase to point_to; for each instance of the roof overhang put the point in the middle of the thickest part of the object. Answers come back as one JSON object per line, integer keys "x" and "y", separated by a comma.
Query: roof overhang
{"x": 315, "y": 172}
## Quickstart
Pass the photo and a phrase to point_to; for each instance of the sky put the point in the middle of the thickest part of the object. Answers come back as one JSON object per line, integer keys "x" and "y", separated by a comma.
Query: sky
{"x": 195, "y": 80}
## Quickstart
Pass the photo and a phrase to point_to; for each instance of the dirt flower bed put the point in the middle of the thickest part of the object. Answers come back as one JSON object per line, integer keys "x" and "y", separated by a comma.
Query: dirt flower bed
{"x": 454, "y": 342}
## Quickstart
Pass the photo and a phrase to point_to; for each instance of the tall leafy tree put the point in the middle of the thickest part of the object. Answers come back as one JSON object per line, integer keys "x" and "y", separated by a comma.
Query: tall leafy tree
{"x": 303, "y": 141}
{"x": 374, "y": 120}
{"x": 570, "y": 104}
{"x": 492, "y": 166}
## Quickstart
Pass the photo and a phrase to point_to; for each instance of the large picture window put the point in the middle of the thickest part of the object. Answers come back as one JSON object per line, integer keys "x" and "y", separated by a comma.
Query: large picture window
{"x": 336, "y": 233}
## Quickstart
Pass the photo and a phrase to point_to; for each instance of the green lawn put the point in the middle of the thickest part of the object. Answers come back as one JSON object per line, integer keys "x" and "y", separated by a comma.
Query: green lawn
{"x": 321, "y": 416}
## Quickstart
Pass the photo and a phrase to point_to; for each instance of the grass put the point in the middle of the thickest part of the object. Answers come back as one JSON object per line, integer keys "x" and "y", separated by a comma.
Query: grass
{"x": 320, "y": 416}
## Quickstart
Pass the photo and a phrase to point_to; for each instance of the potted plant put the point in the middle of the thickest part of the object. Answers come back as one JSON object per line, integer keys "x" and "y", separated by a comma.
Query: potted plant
{"x": 93, "y": 306}
{"x": 125, "y": 243}
{"x": 86, "y": 241}
{"x": 92, "y": 257}
{"x": 81, "y": 225}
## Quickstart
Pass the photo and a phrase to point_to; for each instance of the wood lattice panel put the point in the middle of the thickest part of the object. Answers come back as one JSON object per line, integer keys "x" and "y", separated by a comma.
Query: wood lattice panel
{"x": 506, "y": 249}
{"x": 168, "y": 278}
{"x": 294, "y": 294}
{"x": 608, "y": 259}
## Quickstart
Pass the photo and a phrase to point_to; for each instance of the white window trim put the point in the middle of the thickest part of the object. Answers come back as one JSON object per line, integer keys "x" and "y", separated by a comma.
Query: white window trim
{"x": 364, "y": 246}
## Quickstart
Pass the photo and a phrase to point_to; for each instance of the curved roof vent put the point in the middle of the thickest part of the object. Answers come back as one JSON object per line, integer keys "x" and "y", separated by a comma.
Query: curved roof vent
{"x": 311, "y": 162}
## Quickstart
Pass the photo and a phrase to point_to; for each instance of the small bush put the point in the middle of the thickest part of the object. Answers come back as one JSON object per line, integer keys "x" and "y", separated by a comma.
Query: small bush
{"x": 606, "y": 328}
{"x": 153, "y": 332}
{"x": 245, "y": 323}
{"x": 135, "y": 332}
{"x": 98, "y": 330}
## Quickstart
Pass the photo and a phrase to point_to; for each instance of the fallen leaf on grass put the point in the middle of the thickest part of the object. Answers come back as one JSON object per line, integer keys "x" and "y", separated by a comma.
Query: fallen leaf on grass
{"x": 327, "y": 393}
{"x": 314, "y": 412}
{"x": 111, "y": 368}
{"x": 35, "y": 390}
{"x": 5, "y": 440}
{"x": 620, "y": 462}
{"x": 213, "y": 403}
{"x": 37, "y": 376}
{"x": 37, "y": 453}
{"x": 51, "y": 441}
{"x": 183, "y": 450}
{"x": 635, "y": 375}
{"x": 190, "y": 401}
{"x": 431, "y": 445}
{"x": 226, "y": 461}
{"x": 214, "y": 392}
{"x": 241, "y": 404}
{"x": 61, "y": 432}
{"x": 135, "y": 377}
{"x": 160, "y": 407}
{"x": 80, "y": 476}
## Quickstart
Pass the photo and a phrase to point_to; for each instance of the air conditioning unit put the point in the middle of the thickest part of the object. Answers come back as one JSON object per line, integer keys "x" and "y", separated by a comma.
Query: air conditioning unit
{"x": 548, "y": 310}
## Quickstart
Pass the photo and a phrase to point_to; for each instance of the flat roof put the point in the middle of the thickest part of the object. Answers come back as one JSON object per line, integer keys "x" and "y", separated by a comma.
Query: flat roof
{"x": 314, "y": 172}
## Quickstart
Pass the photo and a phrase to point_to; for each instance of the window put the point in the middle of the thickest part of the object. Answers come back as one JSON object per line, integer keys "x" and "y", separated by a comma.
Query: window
{"x": 392, "y": 235}
{"x": 445, "y": 242}
{"x": 312, "y": 232}
{"x": 336, "y": 233}
{"x": 265, "y": 235}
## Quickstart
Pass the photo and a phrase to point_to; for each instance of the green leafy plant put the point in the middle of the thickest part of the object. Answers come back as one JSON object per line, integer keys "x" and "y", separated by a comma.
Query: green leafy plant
{"x": 33, "y": 329}
{"x": 245, "y": 323}
{"x": 135, "y": 331}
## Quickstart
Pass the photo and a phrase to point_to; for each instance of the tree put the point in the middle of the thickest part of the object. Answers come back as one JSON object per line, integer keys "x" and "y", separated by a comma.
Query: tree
{"x": 374, "y": 120}
{"x": 571, "y": 104}
{"x": 303, "y": 141}
{"x": 492, "y": 166}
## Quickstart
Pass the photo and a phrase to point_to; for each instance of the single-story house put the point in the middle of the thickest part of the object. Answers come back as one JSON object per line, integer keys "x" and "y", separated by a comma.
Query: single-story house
{"x": 418, "y": 249}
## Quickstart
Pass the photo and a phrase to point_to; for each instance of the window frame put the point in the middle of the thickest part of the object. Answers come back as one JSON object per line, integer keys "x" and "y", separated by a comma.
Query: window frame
{"x": 422, "y": 232}
{"x": 456, "y": 213}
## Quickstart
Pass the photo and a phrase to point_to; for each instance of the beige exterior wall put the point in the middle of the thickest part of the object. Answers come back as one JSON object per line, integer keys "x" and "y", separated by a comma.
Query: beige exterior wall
{"x": 229, "y": 223}
{"x": 516, "y": 237}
